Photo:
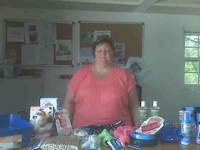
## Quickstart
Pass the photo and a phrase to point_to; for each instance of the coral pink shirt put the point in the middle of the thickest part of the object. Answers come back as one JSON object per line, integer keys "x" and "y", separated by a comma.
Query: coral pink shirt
{"x": 100, "y": 101}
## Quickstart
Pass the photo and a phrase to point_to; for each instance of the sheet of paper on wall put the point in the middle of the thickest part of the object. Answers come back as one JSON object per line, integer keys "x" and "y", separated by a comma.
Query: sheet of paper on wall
{"x": 15, "y": 34}
{"x": 47, "y": 33}
{"x": 136, "y": 66}
{"x": 31, "y": 33}
{"x": 46, "y": 54}
{"x": 101, "y": 33}
{"x": 30, "y": 54}
{"x": 63, "y": 50}
{"x": 133, "y": 61}
{"x": 86, "y": 55}
{"x": 35, "y": 54}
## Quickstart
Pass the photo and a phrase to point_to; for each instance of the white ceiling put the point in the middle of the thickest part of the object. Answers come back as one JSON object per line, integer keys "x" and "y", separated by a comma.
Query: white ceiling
{"x": 190, "y": 7}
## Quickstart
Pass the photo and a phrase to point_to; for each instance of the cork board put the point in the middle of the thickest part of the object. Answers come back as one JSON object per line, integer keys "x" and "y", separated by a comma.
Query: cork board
{"x": 130, "y": 34}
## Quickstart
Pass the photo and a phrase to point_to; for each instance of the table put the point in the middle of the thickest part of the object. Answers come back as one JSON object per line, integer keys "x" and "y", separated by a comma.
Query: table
{"x": 162, "y": 146}
{"x": 167, "y": 146}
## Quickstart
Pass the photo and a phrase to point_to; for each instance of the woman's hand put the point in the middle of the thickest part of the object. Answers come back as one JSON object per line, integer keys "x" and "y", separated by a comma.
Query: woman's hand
{"x": 69, "y": 103}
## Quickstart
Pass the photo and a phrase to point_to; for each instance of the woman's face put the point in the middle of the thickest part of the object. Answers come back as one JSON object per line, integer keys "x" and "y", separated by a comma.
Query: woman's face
{"x": 103, "y": 53}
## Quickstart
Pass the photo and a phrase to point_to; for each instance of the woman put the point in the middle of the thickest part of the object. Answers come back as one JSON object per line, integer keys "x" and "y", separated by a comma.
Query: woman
{"x": 102, "y": 93}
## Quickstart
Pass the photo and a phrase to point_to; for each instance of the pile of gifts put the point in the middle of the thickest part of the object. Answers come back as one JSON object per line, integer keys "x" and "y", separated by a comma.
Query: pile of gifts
{"x": 117, "y": 135}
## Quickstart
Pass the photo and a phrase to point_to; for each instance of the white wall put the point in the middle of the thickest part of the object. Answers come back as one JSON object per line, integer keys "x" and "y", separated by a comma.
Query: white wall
{"x": 19, "y": 94}
{"x": 162, "y": 51}
{"x": 53, "y": 84}
{"x": 1, "y": 40}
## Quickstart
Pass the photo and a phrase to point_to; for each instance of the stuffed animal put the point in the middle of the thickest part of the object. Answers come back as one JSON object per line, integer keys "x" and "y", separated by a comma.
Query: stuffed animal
{"x": 42, "y": 121}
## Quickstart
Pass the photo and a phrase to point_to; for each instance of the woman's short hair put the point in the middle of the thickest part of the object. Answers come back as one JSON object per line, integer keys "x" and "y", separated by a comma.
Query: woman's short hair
{"x": 102, "y": 40}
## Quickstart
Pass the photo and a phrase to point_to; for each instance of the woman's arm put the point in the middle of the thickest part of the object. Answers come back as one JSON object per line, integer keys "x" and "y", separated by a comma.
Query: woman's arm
{"x": 133, "y": 107}
{"x": 69, "y": 103}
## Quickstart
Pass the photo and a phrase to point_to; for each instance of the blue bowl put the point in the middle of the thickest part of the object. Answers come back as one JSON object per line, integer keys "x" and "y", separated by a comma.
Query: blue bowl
{"x": 142, "y": 140}
{"x": 139, "y": 136}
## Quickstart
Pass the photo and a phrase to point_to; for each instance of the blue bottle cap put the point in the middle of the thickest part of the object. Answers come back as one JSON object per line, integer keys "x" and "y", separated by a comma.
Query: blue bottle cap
{"x": 198, "y": 117}
{"x": 189, "y": 109}
{"x": 185, "y": 141}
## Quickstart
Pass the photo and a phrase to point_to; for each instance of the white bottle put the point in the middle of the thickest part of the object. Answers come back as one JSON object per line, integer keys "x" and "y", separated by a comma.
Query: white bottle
{"x": 142, "y": 113}
{"x": 155, "y": 109}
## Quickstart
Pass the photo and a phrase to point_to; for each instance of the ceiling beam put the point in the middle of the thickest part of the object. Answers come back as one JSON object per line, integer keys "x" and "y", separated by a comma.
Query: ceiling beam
{"x": 144, "y": 5}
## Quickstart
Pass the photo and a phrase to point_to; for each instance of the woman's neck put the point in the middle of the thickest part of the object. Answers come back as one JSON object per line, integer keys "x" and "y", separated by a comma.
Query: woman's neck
{"x": 100, "y": 66}
{"x": 101, "y": 70}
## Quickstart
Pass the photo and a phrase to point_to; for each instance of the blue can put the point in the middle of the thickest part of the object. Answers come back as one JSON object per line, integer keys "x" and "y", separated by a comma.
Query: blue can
{"x": 187, "y": 117}
{"x": 186, "y": 126}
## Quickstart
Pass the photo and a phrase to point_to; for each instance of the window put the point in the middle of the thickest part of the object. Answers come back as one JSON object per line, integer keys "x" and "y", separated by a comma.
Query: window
{"x": 192, "y": 58}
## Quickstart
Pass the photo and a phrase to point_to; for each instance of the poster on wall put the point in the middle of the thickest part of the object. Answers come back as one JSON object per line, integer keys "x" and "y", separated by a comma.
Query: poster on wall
{"x": 120, "y": 48}
{"x": 63, "y": 50}
{"x": 136, "y": 66}
{"x": 31, "y": 33}
{"x": 86, "y": 56}
{"x": 15, "y": 34}
{"x": 101, "y": 33}
{"x": 47, "y": 33}
{"x": 86, "y": 37}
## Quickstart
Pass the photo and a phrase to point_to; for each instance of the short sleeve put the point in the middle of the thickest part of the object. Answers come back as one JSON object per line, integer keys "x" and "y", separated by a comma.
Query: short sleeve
{"x": 131, "y": 83}
{"x": 76, "y": 79}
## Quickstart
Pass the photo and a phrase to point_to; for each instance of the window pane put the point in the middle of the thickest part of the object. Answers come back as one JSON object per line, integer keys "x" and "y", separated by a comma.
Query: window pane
{"x": 191, "y": 41}
{"x": 191, "y": 52}
{"x": 191, "y": 78}
{"x": 192, "y": 66}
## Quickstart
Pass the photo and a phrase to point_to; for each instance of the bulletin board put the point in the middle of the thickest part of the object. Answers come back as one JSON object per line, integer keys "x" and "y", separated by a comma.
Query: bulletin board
{"x": 129, "y": 35}
{"x": 13, "y": 47}
{"x": 40, "y": 48}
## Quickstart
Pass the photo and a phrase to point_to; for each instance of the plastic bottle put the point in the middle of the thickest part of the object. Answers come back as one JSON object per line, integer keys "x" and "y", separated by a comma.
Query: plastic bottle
{"x": 142, "y": 113}
{"x": 155, "y": 109}
{"x": 198, "y": 135}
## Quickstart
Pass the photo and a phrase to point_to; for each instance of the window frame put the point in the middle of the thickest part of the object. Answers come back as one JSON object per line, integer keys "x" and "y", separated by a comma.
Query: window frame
{"x": 190, "y": 59}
